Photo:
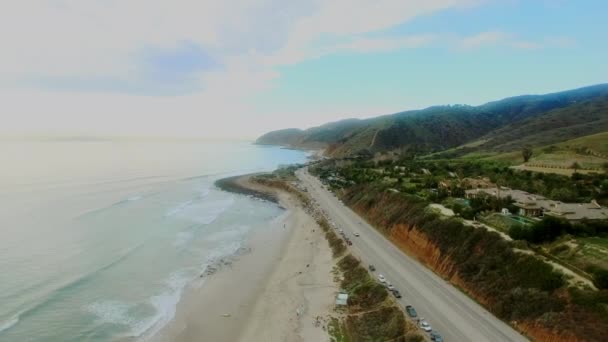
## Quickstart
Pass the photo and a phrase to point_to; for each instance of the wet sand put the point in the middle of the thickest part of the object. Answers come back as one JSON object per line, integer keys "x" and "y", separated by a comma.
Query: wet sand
{"x": 273, "y": 292}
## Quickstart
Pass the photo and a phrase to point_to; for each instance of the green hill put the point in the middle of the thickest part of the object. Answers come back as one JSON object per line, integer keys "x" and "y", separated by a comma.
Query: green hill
{"x": 503, "y": 125}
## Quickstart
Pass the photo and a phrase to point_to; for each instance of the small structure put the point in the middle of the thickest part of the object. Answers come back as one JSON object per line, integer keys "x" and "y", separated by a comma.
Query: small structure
{"x": 505, "y": 211}
{"x": 342, "y": 299}
{"x": 530, "y": 209}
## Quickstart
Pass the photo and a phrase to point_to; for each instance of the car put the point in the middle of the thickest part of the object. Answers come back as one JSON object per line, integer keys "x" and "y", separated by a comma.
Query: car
{"x": 411, "y": 311}
{"x": 396, "y": 293}
{"x": 357, "y": 234}
{"x": 425, "y": 325}
{"x": 435, "y": 336}
{"x": 389, "y": 286}
{"x": 372, "y": 268}
{"x": 381, "y": 278}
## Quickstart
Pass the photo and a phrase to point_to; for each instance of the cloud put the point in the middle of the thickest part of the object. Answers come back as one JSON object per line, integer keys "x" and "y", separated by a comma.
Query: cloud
{"x": 350, "y": 18}
{"x": 482, "y": 39}
{"x": 499, "y": 38}
{"x": 150, "y": 65}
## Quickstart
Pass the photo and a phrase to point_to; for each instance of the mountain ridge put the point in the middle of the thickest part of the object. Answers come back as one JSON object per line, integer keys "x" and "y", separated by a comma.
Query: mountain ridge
{"x": 571, "y": 113}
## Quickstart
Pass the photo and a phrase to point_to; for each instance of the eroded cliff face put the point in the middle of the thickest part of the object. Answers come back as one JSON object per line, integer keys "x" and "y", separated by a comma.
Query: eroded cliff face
{"x": 416, "y": 244}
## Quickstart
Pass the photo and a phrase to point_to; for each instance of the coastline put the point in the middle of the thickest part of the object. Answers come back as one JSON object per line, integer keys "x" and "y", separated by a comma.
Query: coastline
{"x": 275, "y": 291}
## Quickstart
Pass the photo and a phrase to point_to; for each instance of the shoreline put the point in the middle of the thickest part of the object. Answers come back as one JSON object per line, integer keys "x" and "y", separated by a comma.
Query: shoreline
{"x": 237, "y": 185}
{"x": 273, "y": 292}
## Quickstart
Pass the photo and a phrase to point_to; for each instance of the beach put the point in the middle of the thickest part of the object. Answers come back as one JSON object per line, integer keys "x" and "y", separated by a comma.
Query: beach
{"x": 273, "y": 290}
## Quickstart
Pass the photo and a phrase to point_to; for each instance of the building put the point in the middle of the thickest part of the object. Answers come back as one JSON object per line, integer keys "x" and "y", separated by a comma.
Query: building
{"x": 342, "y": 299}
{"x": 532, "y": 205}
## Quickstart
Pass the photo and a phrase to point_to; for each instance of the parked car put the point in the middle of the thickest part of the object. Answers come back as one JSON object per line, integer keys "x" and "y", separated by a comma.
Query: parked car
{"x": 396, "y": 293}
{"x": 436, "y": 337}
{"x": 381, "y": 278}
{"x": 372, "y": 268}
{"x": 389, "y": 286}
{"x": 425, "y": 325}
{"x": 411, "y": 311}
{"x": 357, "y": 234}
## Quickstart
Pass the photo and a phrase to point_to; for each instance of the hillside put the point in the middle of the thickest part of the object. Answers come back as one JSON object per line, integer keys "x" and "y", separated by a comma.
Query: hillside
{"x": 503, "y": 125}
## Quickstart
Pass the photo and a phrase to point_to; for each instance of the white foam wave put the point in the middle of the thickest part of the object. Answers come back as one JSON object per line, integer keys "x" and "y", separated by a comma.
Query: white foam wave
{"x": 134, "y": 198}
{"x": 164, "y": 304}
{"x": 179, "y": 208}
{"x": 229, "y": 234}
{"x": 112, "y": 311}
{"x": 9, "y": 323}
{"x": 204, "y": 212}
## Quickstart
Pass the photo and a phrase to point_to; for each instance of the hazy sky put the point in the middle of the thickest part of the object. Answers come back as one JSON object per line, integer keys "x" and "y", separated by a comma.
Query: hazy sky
{"x": 239, "y": 68}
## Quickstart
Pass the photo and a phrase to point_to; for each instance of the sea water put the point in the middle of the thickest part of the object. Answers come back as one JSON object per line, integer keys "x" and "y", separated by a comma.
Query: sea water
{"x": 98, "y": 239}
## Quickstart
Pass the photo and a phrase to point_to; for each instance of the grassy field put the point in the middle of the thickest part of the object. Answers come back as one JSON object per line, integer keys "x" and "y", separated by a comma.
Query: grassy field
{"x": 590, "y": 152}
{"x": 502, "y": 222}
{"x": 582, "y": 252}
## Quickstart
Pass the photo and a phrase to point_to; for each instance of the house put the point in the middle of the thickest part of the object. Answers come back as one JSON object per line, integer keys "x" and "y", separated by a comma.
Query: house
{"x": 532, "y": 205}
{"x": 530, "y": 209}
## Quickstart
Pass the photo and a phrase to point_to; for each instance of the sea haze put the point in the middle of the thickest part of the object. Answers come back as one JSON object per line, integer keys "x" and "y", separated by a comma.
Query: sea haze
{"x": 100, "y": 238}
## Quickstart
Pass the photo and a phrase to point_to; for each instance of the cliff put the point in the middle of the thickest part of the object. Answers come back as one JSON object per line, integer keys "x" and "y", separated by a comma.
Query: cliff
{"x": 517, "y": 288}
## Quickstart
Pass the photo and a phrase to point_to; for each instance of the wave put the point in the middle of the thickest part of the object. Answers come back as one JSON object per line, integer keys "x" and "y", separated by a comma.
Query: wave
{"x": 65, "y": 288}
{"x": 125, "y": 201}
{"x": 165, "y": 304}
{"x": 179, "y": 208}
{"x": 204, "y": 212}
{"x": 9, "y": 323}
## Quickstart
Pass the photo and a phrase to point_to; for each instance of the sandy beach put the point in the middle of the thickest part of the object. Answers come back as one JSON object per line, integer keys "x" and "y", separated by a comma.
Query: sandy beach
{"x": 273, "y": 291}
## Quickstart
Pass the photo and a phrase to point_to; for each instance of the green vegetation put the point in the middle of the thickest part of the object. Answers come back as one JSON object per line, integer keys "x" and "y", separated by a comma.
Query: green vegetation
{"x": 500, "y": 126}
{"x": 336, "y": 331}
{"x": 487, "y": 265}
{"x": 550, "y": 228}
{"x": 394, "y": 194}
{"x": 408, "y": 176}
{"x": 371, "y": 317}
{"x": 526, "y": 153}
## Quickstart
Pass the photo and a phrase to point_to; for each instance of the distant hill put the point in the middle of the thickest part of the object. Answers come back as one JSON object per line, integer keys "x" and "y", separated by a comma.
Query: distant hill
{"x": 284, "y": 137}
{"x": 503, "y": 125}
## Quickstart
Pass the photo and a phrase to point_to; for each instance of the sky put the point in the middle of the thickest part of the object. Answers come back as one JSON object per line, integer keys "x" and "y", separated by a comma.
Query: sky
{"x": 237, "y": 69}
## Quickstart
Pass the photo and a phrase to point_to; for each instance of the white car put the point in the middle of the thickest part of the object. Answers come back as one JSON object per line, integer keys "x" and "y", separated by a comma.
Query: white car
{"x": 381, "y": 278}
{"x": 425, "y": 325}
{"x": 389, "y": 286}
{"x": 357, "y": 234}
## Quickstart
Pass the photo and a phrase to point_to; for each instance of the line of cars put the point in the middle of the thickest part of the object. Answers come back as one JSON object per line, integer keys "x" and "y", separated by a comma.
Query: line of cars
{"x": 422, "y": 323}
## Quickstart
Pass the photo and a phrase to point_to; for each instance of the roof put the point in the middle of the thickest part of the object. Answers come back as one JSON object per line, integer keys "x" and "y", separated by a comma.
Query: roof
{"x": 342, "y": 299}
{"x": 569, "y": 211}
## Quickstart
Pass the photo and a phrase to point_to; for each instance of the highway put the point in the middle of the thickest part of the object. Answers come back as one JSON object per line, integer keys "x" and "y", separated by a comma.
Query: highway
{"x": 450, "y": 312}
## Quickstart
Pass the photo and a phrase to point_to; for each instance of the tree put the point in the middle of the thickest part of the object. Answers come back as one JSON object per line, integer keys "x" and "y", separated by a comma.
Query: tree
{"x": 575, "y": 166}
{"x": 526, "y": 152}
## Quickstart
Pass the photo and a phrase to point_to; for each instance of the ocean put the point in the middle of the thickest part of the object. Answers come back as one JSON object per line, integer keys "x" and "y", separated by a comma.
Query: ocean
{"x": 99, "y": 239}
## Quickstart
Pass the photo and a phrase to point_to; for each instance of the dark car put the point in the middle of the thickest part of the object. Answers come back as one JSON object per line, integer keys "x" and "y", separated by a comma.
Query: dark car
{"x": 397, "y": 293}
{"x": 372, "y": 268}
{"x": 436, "y": 337}
{"x": 411, "y": 311}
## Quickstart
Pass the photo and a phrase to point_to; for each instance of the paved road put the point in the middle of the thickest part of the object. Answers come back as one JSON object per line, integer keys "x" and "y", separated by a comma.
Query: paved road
{"x": 449, "y": 311}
